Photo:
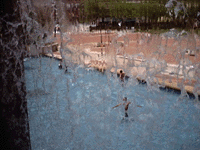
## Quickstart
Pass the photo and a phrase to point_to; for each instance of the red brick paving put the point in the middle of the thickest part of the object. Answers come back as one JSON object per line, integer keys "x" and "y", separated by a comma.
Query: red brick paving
{"x": 170, "y": 50}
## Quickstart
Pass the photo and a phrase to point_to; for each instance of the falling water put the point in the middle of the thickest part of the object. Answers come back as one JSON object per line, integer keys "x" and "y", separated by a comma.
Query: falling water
{"x": 73, "y": 109}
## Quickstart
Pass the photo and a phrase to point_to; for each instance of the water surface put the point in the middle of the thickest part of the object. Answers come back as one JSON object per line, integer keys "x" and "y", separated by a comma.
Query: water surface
{"x": 73, "y": 111}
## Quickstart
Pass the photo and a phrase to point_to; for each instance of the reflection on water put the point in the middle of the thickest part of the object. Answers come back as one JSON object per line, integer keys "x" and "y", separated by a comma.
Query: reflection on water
{"x": 73, "y": 111}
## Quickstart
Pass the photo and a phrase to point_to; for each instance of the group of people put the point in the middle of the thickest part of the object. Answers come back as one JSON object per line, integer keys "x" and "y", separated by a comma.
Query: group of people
{"x": 121, "y": 76}
{"x": 60, "y": 66}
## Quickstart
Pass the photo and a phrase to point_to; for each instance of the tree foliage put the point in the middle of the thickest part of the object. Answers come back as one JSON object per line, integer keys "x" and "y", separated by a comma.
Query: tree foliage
{"x": 119, "y": 9}
{"x": 151, "y": 11}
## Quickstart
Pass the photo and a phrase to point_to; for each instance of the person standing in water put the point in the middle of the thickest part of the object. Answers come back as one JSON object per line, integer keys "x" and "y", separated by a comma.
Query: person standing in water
{"x": 122, "y": 75}
{"x": 126, "y": 104}
{"x": 66, "y": 70}
{"x": 60, "y": 65}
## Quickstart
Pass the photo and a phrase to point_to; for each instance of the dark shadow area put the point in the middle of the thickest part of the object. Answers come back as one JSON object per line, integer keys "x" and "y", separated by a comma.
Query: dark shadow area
{"x": 29, "y": 68}
{"x": 170, "y": 90}
{"x": 14, "y": 122}
{"x": 36, "y": 92}
{"x": 178, "y": 92}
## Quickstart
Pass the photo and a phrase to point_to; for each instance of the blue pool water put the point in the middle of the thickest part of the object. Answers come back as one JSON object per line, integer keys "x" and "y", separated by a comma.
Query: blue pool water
{"x": 73, "y": 111}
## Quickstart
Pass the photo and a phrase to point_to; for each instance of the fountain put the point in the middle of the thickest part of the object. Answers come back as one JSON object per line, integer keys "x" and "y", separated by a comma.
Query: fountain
{"x": 73, "y": 109}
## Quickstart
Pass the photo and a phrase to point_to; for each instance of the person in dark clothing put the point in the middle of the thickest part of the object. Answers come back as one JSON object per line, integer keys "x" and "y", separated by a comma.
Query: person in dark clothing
{"x": 60, "y": 65}
{"x": 66, "y": 69}
{"x": 122, "y": 75}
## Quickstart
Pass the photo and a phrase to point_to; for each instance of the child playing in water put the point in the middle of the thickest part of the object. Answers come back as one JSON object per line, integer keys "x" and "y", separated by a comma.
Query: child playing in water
{"x": 126, "y": 104}
{"x": 121, "y": 75}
